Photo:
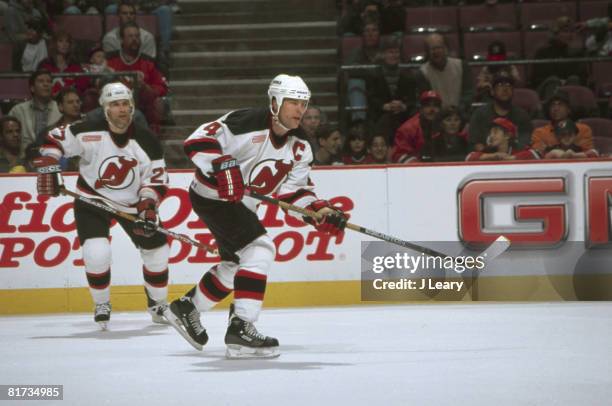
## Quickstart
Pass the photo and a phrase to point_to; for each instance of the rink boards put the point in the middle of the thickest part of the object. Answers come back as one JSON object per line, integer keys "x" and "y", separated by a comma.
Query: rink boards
{"x": 556, "y": 213}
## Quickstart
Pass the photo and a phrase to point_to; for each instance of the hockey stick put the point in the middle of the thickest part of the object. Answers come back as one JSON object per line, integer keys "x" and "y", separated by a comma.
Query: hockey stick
{"x": 132, "y": 218}
{"x": 499, "y": 246}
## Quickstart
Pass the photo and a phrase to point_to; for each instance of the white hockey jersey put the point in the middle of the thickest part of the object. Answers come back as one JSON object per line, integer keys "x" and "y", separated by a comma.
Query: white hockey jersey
{"x": 121, "y": 168}
{"x": 269, "y": 164}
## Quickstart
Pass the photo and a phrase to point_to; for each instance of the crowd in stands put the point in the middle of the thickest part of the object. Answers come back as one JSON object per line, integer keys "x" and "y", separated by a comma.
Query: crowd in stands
{"x": 61, "y": 89}
{"x": 440, "y": 106}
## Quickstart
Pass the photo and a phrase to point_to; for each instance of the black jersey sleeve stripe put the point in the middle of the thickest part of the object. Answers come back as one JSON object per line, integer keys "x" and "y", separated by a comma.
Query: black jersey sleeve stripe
{"x": 206, "y": 145}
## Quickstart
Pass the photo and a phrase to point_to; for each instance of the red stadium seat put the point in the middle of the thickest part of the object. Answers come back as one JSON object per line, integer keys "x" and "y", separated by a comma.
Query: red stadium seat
{"x": 603, "y": 145}
{"x": 6, "y": 61}
{"x": 592, "y": 9}
{"x": 527, "y": 99}
{"x": 601, "y": 127}
{"x": 14, "y": 89}
{"x": 146, "y": 21}
{"x": 485, "y": 17}
{"x": 475, "y": 44}
{"x": 349, "y": 44}
{"x": 582, "y": 100}
{"x": 81, "y": 27}
{"x": 541, "y": 15}
{"x": 429, "y": 19}
{"x": 413, "y": 48}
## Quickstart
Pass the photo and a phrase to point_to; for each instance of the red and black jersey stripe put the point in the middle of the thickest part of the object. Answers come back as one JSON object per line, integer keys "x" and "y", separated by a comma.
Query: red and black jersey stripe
{"x": 50, "y": 142}
{"x": 99, "y": 280}
{"x": 209, "y": 181}
{"x": 155, "y": 279}
{"x": 206, "y": 145}
{"x": 212, "y": 288}
{"x": 294, "y": 197}
{"x": 249, "y": 285}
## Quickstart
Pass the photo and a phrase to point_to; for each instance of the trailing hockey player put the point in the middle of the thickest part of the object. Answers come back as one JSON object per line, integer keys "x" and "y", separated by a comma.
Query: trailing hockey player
{"x": 257, "y": 148}
{"x": 121, "y": 164}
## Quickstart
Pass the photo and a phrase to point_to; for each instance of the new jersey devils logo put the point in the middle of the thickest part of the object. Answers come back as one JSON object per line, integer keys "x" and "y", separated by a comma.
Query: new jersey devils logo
{"x": 267, "y": 175}
{"x": 116, "y": 172}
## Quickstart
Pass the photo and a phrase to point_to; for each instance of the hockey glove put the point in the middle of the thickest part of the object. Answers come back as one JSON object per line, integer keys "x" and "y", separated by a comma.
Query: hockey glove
{"x": 147, "y": 222}
{"x": 49, "y": 181}
{"x": 332, "y": 222}
{"x": 230, "y": 185}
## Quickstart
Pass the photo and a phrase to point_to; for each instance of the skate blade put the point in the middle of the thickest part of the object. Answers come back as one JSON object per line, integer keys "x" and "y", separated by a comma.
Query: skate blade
{"x": 157, "y": 319}
{"x": 174, "y": 322}
{"x": 234, "y": 351}
{"x": 103, "y": 325}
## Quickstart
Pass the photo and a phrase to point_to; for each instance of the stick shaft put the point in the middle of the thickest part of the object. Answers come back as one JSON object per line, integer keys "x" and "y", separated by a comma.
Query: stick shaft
{"x": 132, "y": 218}
{"x": 350, "y": 226}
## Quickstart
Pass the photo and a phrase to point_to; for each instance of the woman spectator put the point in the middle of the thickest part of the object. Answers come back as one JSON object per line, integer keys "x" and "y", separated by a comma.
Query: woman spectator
{"x": 355, "y": 151}
{"x": 62, "y": 61}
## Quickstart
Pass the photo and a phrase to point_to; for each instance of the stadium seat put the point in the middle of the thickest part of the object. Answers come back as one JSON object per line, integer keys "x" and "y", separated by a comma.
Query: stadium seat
{"x": 527, "y": 99}
{"x": 6, "y": 61}
{"x": 592, "y": 9}
{"x": 541, "y": 15}
{"x": 82, "y": 27}
{"x": 14, "y": 89}
{"x": 413, "y": 47}
{"x": 475, "y": 44}
{"x": 602, "y": 76}
{"x": 487, "y": 18}
{"x": 431, "y": 19}
{"x": 146, "y": 21}
{"x": 582, "y": 100}
{"x": 603, "y": 145}
{"x": 349, "y": 44}
{"x": 601, "y": 127}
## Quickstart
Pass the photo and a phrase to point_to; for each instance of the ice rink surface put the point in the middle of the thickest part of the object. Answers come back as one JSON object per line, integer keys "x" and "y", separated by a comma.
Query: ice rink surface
{"x": 430, "y": 354}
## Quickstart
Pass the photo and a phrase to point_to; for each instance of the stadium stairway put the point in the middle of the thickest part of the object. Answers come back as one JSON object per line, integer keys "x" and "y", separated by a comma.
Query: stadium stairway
{"x": 225, "y": 52}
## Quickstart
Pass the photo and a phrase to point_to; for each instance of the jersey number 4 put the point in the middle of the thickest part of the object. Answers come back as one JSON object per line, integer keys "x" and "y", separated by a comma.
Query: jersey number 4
{"x": 211, "y": 129}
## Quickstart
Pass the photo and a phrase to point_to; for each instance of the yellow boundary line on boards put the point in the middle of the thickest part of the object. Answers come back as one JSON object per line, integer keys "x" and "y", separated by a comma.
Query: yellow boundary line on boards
{"x": 321, "y": 293}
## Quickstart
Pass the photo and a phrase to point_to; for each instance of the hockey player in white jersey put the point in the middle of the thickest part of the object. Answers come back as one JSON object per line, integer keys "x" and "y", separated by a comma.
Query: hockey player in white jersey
{"x": 258, "y": 149}
{"x": 121, "y": 164}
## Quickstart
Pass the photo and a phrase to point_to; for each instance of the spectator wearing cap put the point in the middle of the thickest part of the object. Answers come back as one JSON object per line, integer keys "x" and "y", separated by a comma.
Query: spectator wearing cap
{"x": 558, "y": 110}
{"x": 10, "y": 146}
{"x": 62, "y": 60}
{"x": 448, "y": 76}
{"x": 330, "y": 145}
{"x": 391, "y": 91}
{"x": 35, "y": 50}
{"x": 502, "y": 145}
{"x": 112, "y": 39}
{"x": 566, "y": 134}
{"x": 496, "y": 53}
{"x": 37, "y": 113}
{"x": 500, "y": 106}
{"x": 412, "y": 136}
{"x": 547, "y": 77}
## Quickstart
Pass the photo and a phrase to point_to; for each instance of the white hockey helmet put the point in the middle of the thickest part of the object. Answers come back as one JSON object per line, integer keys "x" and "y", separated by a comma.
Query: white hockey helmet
{"x": 291, "y": 87}
{"x": 113, "y": 92}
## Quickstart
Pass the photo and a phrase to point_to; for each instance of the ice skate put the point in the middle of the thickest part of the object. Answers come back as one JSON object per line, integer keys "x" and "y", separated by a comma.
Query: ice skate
{"x": 185, "y": 318}
{"x": 244, "y": 341}
{"x": 102, "y": 314}
{"x": 156, "y": 309}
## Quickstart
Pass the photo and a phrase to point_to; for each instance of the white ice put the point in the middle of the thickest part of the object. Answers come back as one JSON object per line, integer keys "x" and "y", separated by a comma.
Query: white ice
{"x": 437, "y": 354}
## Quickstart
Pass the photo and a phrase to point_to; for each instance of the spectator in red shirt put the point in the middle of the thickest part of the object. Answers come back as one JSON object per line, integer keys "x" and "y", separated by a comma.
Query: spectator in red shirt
{"x": 150, "y": 84}
{"x": 378, "y": 150}
{"x": 411, "y": 136}
{"x": 62, "y": 61}
{"x": 502, "y": 144}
